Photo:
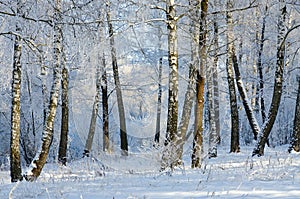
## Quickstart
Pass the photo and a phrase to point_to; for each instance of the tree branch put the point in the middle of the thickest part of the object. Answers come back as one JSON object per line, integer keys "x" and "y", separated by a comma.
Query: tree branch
{"x": 236, "y": 9}
{"x": 48, "y": 21}
{"x": 286, "y": 35}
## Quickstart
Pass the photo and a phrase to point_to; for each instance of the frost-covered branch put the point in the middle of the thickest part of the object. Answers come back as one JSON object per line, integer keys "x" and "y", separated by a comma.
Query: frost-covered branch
{"x": 250, "y": 6}
{"x": 47, "y": 21}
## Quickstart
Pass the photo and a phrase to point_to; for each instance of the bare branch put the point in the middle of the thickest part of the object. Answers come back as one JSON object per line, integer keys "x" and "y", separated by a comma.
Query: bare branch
{"x": 286, "y": 35}
{"x": 158, "y": 8}
{"x": 48, "y": 21}
{"x": 251, "y": 5}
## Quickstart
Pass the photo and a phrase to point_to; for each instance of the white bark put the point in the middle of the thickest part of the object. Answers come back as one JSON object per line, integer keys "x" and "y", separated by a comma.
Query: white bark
{"x": 39, "y": 161}
{"x": 213, "y": 136}
{"x": 15, "y": 159}
{"x": 90, "y": 138}
{"x": 278, "y": 83}
{"x": 169, "y": 158}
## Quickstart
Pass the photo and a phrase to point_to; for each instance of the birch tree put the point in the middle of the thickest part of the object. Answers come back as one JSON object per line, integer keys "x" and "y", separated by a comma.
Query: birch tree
{"x": 15, "y": 159}
{"x": 92, "y": 128}
{"x": 213, "y": 96}
{"x": 27, "y": 144}
{"x": 63, "y": 144}
{"x": 260, "y": 66}
{"x": 190, "y": 90}
{"x": 235, "y": 145}
{"x": 105, "y": 112}
{"x": 243, "y": 93}
{"x": 200, "y": 82}
{"x": 216, "y": 80}
{"x": 295, "y": 142}
{"x": 278, "y": 82}
{"x": 122, "y": 119}
{"x": 159, "y": 95}
{"x": 213, "y": 136}
{"x": 169, "y": 158}
{"x": 39, "y": 161}
{"x": 104, "y": 89}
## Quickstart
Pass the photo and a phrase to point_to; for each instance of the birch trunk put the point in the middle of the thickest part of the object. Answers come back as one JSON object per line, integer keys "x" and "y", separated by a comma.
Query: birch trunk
{"x": 169, "y": 158}
{"x": 295, "y": 143}
{"x": 159, "y": 95}
{"x": 216, "y": 81}
{"x": 158, "y": 112}
{"x": 186, "y": 111}
{"x": 200, "y": 82}
{"x": 39, "y": 161}
{"x": 213, "y": 136}
{"x": 173, "y": 75}
{"x": 213, "y": 96}
{"x": 190, "y": 91}
{"x": 103, "y": 84}
{"x": 90, "y": 138}
{"x": 43, "y": 81}
{"x": 63, "y": 144}
{"x": 243, "y": 93}
{"x": 45, "y": 99}
{"x": 198, "y": 125}
{"x": 15, "y": 159}
{"x": 260, "y": 67}
{"x": 277, "y": 91}
{"x": 26, "y": 143}
{"x": 105, "y": 113}
{"x": 123, "y": 132}
{"x": 235, "y": 143}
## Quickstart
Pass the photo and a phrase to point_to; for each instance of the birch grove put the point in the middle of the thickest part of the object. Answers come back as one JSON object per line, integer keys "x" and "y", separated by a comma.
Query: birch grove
{"x": 179, "y": 80}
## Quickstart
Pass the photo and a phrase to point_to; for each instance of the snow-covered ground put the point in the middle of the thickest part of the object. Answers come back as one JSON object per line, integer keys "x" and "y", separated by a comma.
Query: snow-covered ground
{"x": 276, "y": 175}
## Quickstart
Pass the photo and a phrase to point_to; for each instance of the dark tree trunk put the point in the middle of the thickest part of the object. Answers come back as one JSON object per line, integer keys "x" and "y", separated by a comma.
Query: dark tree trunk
{"x": 26, "y": 141}
{"x": 295, "y": 143}
{"x": 159, "y": 95}
{"x": 277, "y": 92}
{"x": 248, "y": 109}
{"x": 200, "y": 82}
{"x": 158, "y": 114}
{"x": 235, "y": 143}
{"x": 63, "y": 144}
{"x": 198, "y": 131}
{"x": 123, "y": 131}
{"x": 260, "y": 68}
{"x": 105, "y": 113}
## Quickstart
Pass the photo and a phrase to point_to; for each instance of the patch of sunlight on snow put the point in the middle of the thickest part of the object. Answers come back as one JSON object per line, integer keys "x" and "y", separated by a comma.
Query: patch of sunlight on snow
{"x": 226, "y": 194}
{"x": 265, "y": 193}
{"x": 177, "y": 194}
{"x": 132, "y": 163}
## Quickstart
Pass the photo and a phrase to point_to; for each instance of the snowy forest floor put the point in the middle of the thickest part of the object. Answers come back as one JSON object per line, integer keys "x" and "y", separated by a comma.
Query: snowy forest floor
{"x": 275, "y": 175}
